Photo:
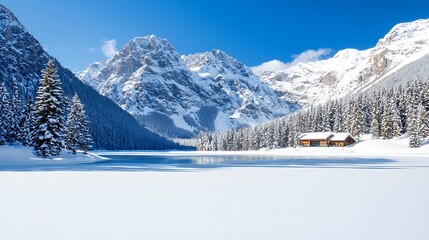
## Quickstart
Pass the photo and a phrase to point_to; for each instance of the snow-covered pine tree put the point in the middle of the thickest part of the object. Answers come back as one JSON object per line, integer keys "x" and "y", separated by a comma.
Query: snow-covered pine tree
{"x": 347, "y": 116}
{"x": 402, "y": 111}
{"x": 356, "y": 120}
{"x": 325, "y": 121}
{"x": 48, "y": 113}
{"x": 230, "y": 140}
{"x": 77, "y": 131}
{"x": 293, "y": 136}
{"x": 415, "y": 138}
{"x": 375, "y": 122}
{"x": 268, "y": 136}
{"x": 238, "y": 140}
{"x": 338, "y": 125}
{"x": 285, "y": 134}
{"x": 5, "y": 113}
{"x": 27, "y": 123}
{"x": 15, "y": 133}
{"x": 410, "y": 103}
{"x": 396, "y": 119}
{"x": 256, "y": 138}
{"x": 423, "y": 120}
{"x": 386, "y": 121}
{"x": 366, "y": 115}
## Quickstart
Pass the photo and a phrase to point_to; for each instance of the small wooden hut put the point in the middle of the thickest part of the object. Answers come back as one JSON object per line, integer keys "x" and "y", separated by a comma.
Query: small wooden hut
{"x": 326, "y": 139}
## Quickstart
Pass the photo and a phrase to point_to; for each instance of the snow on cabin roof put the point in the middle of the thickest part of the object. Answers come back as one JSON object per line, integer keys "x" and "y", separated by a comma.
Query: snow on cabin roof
{"x": 325, "y": 136}
{"x": 316, "y": 136}
{"x": 340, "y": 136}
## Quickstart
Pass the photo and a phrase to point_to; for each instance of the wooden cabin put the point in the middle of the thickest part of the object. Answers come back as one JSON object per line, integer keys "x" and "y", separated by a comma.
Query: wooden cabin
{"x": 326, "y": 139}
{"x": 341, "y": 140}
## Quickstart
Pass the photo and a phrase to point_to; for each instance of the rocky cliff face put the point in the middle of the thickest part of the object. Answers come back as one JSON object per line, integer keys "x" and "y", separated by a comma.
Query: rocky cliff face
{"x": 179, "y": 96}
{"x": 21, "y": 54}
{"x": 351, "y": 70}
{"x": 21, "y": 60}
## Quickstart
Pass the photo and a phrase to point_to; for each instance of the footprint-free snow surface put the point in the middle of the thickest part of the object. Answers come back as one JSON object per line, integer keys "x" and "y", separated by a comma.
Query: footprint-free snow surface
{"x": 261, "y": 195}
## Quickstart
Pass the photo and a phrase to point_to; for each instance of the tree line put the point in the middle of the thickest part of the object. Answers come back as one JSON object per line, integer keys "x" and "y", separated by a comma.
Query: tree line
{"x": 44, "y": 124}
{"x": 385, "y": 113}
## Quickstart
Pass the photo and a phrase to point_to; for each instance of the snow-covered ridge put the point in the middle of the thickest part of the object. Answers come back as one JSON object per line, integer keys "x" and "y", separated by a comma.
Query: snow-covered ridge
{"x": 350, "y": 69}
{"x": 181, "y": 95}
{"x": 22, "y": 59}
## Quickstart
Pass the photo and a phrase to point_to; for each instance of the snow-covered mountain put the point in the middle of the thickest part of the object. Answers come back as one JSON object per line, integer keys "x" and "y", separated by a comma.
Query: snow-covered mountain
{"x": 178, "y": 95}
{"x": 21, "y": 60}
{"x": 350, "y": 70}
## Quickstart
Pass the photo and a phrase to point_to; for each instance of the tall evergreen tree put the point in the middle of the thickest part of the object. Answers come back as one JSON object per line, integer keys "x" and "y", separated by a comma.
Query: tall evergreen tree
{"x": 356, "y": 120}
{"x": 414, "y": 133}
{"x": 396, "y": 120}
{"x": 386, "y": 122}
{"x": 48, "y": 113}
{"x": 325, "y": 124}
{"x": 375, "y": 122}
{"x": 77, "y": 131}
{"x": 423, "y": 120}
{"x": 338, "y": 125}
{"x": 27, "y": 123}
{"x": 15, "y": 132}
{"x": 347, "y": 117}
{"x": 5, "y": 114}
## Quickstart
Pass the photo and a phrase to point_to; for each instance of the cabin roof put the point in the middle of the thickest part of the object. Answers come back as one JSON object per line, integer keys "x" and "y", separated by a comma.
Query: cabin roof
{"x": 316, "y": 136}
{"x": 325, "y": 136}
{"x": 341, "y": 136}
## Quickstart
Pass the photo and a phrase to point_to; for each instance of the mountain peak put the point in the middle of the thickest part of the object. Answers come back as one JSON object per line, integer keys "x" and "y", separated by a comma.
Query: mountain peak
{"x": 150, "y": 40}
{"x": 352, "y": 70}
{"x": 180, "y": 96}
{"x": 147, "y": 44}
{"x": 219, "y": 53}
{"x": 147, "y": 39}
{"x": 411, "y": 31}
{"x": 8, "y": 19}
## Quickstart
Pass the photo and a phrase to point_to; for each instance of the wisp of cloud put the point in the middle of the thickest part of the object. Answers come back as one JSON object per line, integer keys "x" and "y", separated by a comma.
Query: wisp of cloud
{"x": 304, "y": 57}
{"x": 109, "y": 48}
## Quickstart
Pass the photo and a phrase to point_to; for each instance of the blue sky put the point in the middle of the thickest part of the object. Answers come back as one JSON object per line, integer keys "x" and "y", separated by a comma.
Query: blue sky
{"x": 254, "y": 32}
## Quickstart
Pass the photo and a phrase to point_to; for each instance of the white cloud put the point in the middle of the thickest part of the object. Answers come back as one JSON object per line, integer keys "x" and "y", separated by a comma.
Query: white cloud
{"x": 109, "y": 48}
{"x": 310, "y": 56}
{"x": 304, "y": 57}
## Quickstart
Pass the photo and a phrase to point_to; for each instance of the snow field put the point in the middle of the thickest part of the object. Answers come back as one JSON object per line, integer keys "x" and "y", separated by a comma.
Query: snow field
{"x": 339, "y": 201}
{"x": 239, "y": 203}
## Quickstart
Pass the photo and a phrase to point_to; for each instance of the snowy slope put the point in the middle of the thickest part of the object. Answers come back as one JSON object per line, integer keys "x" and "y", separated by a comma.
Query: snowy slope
{"x": 350, "y": 70}
{"x": 22, "y": 59}
{"x": 181, "y": 95}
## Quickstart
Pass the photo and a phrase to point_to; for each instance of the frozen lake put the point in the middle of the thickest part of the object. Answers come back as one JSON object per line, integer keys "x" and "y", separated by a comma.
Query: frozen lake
{"x": 191, "y": 195}
{"x": 183, "y": 160}
{"x": 179, "y": 161}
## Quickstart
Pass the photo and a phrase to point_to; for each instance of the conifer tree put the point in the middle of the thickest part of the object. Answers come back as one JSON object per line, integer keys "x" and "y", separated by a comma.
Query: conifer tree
{"x": 423, "y": 121}
{"x": 415, "y": 138}
{"x": 337, "y": 121}
{"x": 15, "y": 117}
{"x": 325, "y": 124}
{"x": 5, "y": 114}
{"x": 346, "y": 116}
{"x": 77, "y": 131}
{"x": 48, "y": 113}
{"x": 27, "y": 123}
{"x": 375, "y": 122}
{"x": 396, "y": 120}
{"x": 356, "y": 120}
{"x": 386, "y": 123}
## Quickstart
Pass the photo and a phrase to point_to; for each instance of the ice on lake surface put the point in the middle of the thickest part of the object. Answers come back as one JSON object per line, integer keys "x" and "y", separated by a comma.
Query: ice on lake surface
{"x": 147, "y": 162}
